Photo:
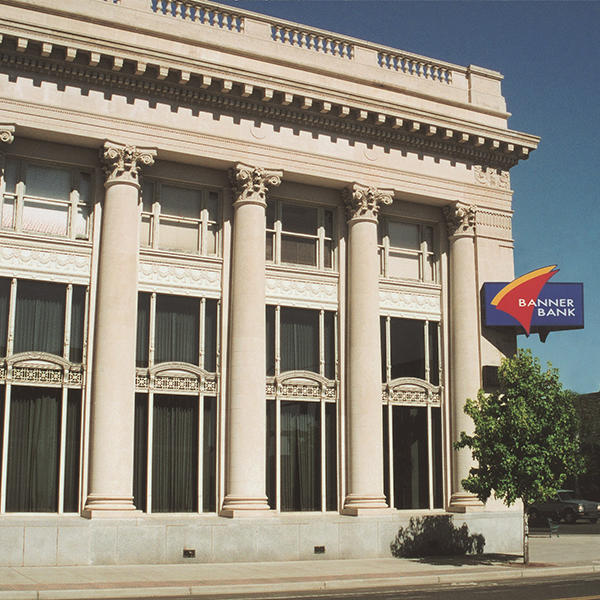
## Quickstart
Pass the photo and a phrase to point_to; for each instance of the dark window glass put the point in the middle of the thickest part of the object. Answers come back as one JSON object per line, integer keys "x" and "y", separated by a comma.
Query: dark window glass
{"x": 4, "y": 300}
{"x": 77, "y": 324}
{"x": 270, "y": 341}
{"x": 299, "y": 339}
{"x": 140, "y": 451}
{"x": 72, "y": 451}
{"x": 407, "y": 348}
{"x": 33, "y": 450}
{"x": 329, "y": 340}
{"x": 434, "y": 366}
{"x": 300, "y": 456}
{"x": 382, "y": 337}
{"x": 143, "y": 330}
{"x": 298, "y": 251}
{"x": 411, "y": 474}
{"x": 175, "y": 454}
{"x": 209, "y": 456}
{"x": 299, "y": 219}
{"x": 331, "y": 456}
{"x": 210, "y": 336}
{"x": 177, "y": 320}
{"x": 438, "y": 481}
{"x": 271, "y": 455}
{"x": 386, "y": 457}
{"x": 40, "y": 316}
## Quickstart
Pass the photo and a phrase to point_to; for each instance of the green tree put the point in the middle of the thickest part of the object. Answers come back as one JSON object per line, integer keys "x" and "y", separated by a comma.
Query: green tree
{"x": 525, "y": 438}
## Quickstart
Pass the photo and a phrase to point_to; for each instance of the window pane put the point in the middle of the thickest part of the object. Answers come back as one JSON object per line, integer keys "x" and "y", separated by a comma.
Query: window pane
{"x": 143, "y": 330}
{"x": 331, "y": 456}
{"x": 10, "y": 175}
{"x": 386, "y": 456}
{"x": 8, "y": 212}
{"x": 428, "y": 237}
{"x": 43, "y": 217}
{"x": 382, "y": 337}
{"x": 175, "y": 454}
{"x": 209, "y": 456}
{"x": 328, "y": 253}
{"x": 403, "y": 235}
{"x": 411, "y": 469}
{"x": 300, "y": 456}
{"x": 403, "y": 266}
{"x": 210, "y": 336}
{"x": 434, "y": 372}
{"x": 146, "y": 231}
{"x": 178, "y": 236}
{"x": 212, "y": 206}
{"x": 77, "y": 324}
{"x": 329, "y": 341}
{"x": 33, "y": 450}
{"x": 4, "y": 300}
{"x": 271, "y": 455}
{"x": 328, "y": 218}
{"x": 180, "y": 202}
{"x": 72, "y": 448}
{"x": 140, "y": 451}
{"x": 298, "y": 251}
{"x": 438, "y": 482}
{"x": 299, "y": 219}
{"x": 48, "y": 182}
{"x": 39, "y": 319}
{"x": 147, "y": 196}
{"x": 84, "y": 188}
{"x": 177, "y": 320}
{"x": 270, "y": 341}
{"x": 269, "y": 246}
{"x": 408, "y": 348}
{"x": 271, "y": 212}
{"x": 299, "y": 339}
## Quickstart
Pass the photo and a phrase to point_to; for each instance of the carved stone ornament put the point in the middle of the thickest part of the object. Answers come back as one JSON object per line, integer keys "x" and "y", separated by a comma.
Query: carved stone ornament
{"x": 363, "y": 202}
{"x": 250, "y": 184}
{"x": 460, "y": 218}
{"x": 123, "y": 163}
{"x": 492, "y": 178}
{"x": 7, "y": 134}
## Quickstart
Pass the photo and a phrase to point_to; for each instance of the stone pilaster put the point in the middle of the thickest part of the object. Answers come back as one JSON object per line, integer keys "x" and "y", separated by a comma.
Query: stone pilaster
{"x": 464, "y": 342}
{"x": 245, "y": 477}
{"x": 113, "y": 368}
{"x": 363, "y": 373}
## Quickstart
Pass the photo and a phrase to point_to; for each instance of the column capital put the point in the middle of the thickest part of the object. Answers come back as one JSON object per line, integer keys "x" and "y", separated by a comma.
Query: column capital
{"x": 363, "y": 202}
{"x": 460, "y": 218}
{"x": 7, "y": 133}
{"x": 122, "y": 163}
{"x": 250, "y": 184}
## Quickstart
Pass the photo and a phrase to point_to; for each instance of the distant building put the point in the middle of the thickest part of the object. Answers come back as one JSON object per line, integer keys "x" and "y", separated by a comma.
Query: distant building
{"x": 240, "y": 264}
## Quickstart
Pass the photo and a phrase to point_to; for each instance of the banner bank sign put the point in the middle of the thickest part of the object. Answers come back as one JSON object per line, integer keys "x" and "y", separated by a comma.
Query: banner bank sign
{"x": 533, "y": 303}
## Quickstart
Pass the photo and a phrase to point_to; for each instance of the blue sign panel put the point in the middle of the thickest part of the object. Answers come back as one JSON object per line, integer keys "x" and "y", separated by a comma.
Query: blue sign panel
{"x": 558, "y": 306}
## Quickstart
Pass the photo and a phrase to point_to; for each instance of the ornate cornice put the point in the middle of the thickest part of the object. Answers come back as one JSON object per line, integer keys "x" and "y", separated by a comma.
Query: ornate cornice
{"x": 363, "y": 202}
{"x": 460, "y": 218}
{"x": 7, "y": 134}
{"x": 122, "y": 163}
{"x": 199, "y": 89}
{"x": 250, "y": 184}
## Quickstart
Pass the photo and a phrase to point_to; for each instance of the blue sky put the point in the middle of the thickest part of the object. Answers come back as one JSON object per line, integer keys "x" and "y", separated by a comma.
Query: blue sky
{"x": 549, "y": 53}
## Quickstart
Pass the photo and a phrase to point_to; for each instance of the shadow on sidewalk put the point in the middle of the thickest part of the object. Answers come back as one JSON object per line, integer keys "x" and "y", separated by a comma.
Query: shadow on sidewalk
{"x": 473, "y": 560}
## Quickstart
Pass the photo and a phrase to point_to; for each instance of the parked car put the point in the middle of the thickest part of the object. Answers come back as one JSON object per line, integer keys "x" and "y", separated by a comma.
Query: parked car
{"x": 565, "y": 505}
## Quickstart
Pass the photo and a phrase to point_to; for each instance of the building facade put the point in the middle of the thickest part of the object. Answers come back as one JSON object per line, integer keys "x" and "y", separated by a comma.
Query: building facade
{"x": 240, "y": 266}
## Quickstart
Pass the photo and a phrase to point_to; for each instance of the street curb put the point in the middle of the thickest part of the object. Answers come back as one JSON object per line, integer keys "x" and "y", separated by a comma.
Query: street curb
{"x": 227, "y": 589}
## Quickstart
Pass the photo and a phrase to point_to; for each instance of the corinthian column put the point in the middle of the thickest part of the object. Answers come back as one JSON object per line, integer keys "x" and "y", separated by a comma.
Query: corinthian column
{"x": 7, "y": 134}
{"x": 363, "y": 374}
{"x": 464, "y": 342}
{"x": 245, "y": 482}
{"x": 113, "y": 367}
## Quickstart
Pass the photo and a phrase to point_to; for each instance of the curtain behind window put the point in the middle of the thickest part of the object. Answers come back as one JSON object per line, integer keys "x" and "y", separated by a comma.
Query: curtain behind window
{"x": 210, "y": 336}
{"x": 300, "y": 456}
{"x": 143, "y": 330}
{"x": 177, "y": 320}
{"x": 77, "y": 324}
{"x": 40, "y": 315}
{"x": 140, "y": 451}
{"x": 33, "y": 450}
{"x": 4, "y": 298}
{"x": 209, "y": 456}
{"x": 71, "y": 491}
{"x": 299, "y": 339}
{"x": 175, "y": 454}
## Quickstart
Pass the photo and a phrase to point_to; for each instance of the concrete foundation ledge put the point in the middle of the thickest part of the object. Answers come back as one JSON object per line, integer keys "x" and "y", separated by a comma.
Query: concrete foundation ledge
{"x": 189, "y": 539}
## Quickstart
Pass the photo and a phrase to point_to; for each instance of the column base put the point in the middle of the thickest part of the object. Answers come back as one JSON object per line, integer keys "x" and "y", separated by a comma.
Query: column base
{"x": 238, "y": 506}
{"x": 111, "y": 507}
{"x": 462, "y": 502}
{"x": 356, "y": 505}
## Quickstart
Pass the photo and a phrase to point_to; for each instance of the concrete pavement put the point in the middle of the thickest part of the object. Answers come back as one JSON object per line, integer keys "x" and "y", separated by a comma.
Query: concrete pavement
{"x": 571, "y": 553}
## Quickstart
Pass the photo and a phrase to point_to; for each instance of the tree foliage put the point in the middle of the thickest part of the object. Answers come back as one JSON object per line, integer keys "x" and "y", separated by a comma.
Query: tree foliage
{"x": 525, "y": 437}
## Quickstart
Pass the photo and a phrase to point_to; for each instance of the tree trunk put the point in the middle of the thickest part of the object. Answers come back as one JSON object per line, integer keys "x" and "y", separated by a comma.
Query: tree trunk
{"x": 525, "y": 537}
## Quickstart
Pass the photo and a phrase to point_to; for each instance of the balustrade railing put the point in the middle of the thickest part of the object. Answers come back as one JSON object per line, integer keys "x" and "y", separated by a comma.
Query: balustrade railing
{"x": 310, "y": 40}
{"x": 198, "y": 12}
{"x": 417, "y": 67}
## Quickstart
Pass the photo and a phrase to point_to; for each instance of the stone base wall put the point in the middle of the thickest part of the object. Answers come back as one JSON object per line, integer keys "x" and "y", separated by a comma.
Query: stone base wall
{"x": 72, "y": 540}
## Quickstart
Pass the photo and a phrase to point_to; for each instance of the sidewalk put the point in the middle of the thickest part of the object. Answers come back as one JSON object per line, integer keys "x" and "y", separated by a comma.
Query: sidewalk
{"x": 549, "y": 556}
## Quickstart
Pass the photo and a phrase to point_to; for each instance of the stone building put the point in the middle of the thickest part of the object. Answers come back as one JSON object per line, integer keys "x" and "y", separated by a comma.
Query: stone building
{"x": 240, "y": 263}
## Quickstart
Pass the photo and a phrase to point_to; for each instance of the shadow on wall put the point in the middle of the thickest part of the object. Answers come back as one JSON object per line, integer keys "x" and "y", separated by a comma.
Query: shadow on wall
{"x": 435, "y": 536}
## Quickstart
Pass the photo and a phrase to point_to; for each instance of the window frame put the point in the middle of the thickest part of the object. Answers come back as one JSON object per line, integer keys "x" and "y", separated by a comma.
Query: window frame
{"x": 155, "y": 217}
{"x": 277, "y": 232}
{"x": 20, "y": 197}
{"x": 428, "y": 273}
